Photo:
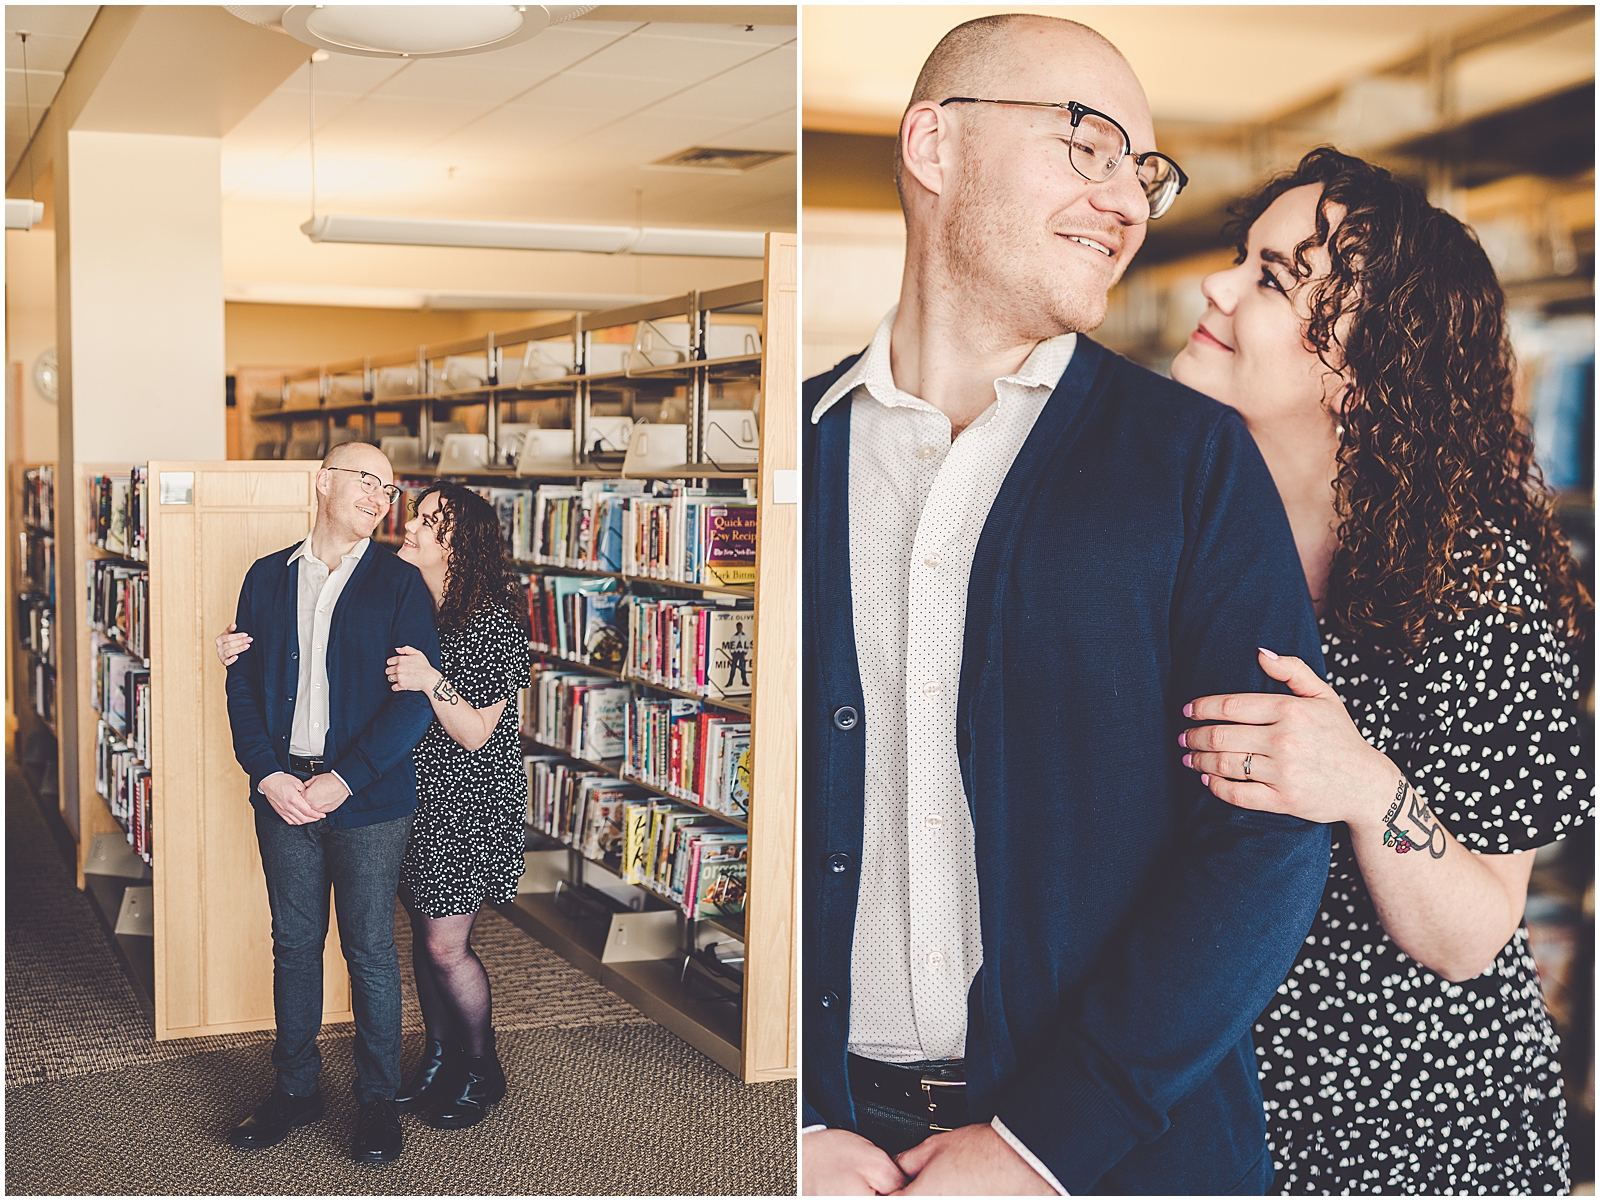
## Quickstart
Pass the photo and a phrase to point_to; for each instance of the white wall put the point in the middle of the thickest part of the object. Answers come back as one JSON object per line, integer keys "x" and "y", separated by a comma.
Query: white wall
{"x": 30, "y": 330}
{"x": 850, "y": 277}
{"x": 147, "y": 372}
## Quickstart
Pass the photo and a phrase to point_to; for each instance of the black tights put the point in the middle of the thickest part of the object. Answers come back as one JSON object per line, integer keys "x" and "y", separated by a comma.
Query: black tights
{"x": 452, "y": 986}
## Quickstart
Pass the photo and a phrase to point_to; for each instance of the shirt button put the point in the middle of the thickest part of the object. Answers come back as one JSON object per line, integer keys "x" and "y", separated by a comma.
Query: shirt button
{"x": 838, "y": 863}
{"x": 931, "y": 688}
{"x": 935, "y": 958}
{"x": 934, "y": 820}
{"x": 931, "y": 562}
{"x": 845, "y": 717}
{"x": 927, "y": 452}
{"x": 829, "y": 999}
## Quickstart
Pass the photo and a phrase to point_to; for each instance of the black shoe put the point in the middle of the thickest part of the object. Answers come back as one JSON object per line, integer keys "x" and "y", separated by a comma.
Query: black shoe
{"x": 377, "y": 1132}
{"x": 464, "y": 1098}
{"x": 416, "y": 1092}
{"x": 275, "y": 1117}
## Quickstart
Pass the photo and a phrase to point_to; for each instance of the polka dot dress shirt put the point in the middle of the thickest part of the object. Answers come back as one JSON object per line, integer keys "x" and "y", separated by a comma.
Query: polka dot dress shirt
{"x": 918, "y": 502}
{"x": 319, "y": 594}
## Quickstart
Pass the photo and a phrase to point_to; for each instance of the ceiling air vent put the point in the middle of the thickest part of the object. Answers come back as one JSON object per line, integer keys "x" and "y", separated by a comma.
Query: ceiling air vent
{"x": 718, "y": 162}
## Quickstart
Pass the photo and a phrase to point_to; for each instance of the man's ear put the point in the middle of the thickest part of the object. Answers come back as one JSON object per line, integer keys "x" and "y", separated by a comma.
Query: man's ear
{"x": 926, "y": 143}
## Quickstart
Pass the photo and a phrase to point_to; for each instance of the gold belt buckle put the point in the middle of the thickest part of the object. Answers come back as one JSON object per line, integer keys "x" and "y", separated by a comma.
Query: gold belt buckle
{"x": 927, "y": 1095}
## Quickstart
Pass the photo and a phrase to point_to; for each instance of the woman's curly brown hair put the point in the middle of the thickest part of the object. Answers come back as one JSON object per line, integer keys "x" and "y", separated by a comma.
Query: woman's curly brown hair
{"x": 1437, "y": 481}
{"x": 480, "y": 573}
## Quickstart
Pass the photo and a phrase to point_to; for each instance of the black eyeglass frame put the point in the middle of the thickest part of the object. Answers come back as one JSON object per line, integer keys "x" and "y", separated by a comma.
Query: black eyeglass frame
{"x": 391, "y": 492}
{"x": 1079, "y": 112}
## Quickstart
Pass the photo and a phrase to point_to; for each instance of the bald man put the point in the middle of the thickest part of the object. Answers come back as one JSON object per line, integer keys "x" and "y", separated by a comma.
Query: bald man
{"x": 327, "y": 746}
{"x": 1033, "y": 944}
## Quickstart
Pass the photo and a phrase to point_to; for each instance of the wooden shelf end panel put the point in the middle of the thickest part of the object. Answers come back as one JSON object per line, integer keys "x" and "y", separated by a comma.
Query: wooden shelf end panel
{"x": 213, "y": 924}
{"x": 770, "y": 1038}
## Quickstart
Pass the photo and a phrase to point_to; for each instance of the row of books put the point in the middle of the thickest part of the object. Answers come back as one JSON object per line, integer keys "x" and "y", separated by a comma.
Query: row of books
{"x": 702, "y": 647}
{"x": 683, "y": 855}
{"x": 122, "y": 777}
{"x": 576, "y": 618}
{"x": 39, "y": 564}
{"x": 119, "y": 603}
{"x": 42, "y": 691}
{"x": 580, "y": 715}
{"x": 578, "y": 806}
{"x": 39, "y": 497}
{"x": 690, "y": 753}
{"x": 690, "y": 537}
{"x": 685, "y": 535}
{"x": 578, "y": 526}
{"x": 38, "y": 622}
{"x": 121, "y": 695}
{"x": 119, "y": 507}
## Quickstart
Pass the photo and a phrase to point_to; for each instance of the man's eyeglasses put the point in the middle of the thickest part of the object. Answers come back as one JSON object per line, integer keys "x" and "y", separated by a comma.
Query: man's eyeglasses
{"x": 1097, "y": 147}
{"x": 371, "y": 484}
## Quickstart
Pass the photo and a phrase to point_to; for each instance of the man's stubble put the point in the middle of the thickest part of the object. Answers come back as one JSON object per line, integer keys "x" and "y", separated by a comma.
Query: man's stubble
{"x": 999, "y": 264}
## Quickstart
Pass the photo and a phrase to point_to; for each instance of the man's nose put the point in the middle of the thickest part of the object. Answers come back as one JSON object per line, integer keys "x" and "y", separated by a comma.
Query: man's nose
{"x": 1122, "y": 195}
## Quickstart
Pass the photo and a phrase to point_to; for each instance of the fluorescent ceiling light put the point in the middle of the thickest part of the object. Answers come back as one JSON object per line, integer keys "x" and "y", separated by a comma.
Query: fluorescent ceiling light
{"x": 516, "y": 235}
{"x": 23, "y": 214}
{"x": 409, "y": 30}
{"x": 356, "y": 296}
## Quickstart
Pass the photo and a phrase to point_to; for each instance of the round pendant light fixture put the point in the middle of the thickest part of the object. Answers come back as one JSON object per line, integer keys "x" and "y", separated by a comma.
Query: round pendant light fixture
{"x": 409, "y": 30}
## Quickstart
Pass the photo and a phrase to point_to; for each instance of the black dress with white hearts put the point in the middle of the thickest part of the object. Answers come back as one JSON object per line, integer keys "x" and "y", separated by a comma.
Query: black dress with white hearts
{"x": 466, "y": 839}
{"x": 1378, "y": 1075}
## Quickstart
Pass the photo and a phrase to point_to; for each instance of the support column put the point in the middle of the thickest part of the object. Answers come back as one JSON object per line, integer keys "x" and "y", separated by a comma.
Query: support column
{"x": 140, "y": 338}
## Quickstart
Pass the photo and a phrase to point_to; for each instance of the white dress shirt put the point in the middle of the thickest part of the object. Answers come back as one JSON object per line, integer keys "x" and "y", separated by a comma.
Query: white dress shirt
{"x": 918, "y": 503}
{"x": 319, "y": 593}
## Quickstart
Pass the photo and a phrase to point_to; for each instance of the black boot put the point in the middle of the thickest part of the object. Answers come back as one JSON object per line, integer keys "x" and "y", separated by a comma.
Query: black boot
{"x": 378, "y": 1138}
{"x": 414, "y": 1093}
{"x": 275, "y": 1117}
{"x": 464, "y": 1097}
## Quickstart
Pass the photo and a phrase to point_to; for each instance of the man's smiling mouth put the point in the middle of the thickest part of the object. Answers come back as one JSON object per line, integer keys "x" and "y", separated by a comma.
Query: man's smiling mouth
{"x": 1091, "y": 244}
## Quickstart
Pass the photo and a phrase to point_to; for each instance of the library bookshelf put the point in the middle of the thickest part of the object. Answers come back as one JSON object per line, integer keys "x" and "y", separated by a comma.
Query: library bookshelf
{"x": 684, "y": 393}
{"x": 31, "y": 621}
{"x": 193, "y": 921}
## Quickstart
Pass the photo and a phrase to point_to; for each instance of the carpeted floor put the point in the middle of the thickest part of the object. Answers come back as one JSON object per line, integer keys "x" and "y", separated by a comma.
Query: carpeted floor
{"x": 603, "y": 1100}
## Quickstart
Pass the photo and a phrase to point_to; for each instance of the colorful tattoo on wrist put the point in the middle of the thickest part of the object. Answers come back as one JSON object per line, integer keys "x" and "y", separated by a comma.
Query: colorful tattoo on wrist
{"x": 1429, "y": 836}
{"x": 445, "y": 691}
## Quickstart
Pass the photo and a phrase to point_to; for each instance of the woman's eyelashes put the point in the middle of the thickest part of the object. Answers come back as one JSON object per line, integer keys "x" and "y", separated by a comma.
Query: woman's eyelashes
{"x": 1269, "y": 280}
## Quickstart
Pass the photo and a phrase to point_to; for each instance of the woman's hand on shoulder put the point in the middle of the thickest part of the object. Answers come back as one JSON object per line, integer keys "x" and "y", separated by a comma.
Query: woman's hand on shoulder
{"x": 410, "y": 671}
{"x": 1305, "y": 756}
{"x": 230, "y": 644}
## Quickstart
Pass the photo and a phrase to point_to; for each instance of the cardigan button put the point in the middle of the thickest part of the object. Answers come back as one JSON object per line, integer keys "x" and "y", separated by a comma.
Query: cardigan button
{"x": 846, "y": 718}
{"x": 829, "y": 999}
{"x": 838, "y": 863}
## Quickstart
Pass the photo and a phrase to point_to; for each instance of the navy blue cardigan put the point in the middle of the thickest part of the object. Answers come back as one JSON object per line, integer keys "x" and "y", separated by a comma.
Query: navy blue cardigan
{"x": 371, "y": 729}
{"x": 1133, "y": 925}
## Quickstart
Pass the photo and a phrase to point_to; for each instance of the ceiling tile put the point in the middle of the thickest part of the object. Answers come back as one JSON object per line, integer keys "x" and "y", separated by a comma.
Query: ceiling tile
{"x": 46, "y": 52}
{"x": 650, "y": 56}
{"x": 41, "y": 89}
{"x": 615, "y": 94}
{"x": 553, "y": 50}
{"x": 453, "y": 80}
{"x": 62, "y": 20}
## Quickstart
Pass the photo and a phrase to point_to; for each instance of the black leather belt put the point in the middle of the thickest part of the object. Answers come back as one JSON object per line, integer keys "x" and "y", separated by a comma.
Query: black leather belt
{"x": 936, "y": 1095}
{"x": 310, "y": 766}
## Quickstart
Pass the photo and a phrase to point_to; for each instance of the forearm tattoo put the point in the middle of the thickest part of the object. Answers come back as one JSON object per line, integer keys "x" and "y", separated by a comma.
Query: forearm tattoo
{"x": 1422, "y": 831}
{"x": 445, "y": 691}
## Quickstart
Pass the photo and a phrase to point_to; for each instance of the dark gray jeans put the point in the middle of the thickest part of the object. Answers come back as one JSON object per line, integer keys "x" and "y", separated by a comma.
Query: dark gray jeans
{"x": 363, "y": 866}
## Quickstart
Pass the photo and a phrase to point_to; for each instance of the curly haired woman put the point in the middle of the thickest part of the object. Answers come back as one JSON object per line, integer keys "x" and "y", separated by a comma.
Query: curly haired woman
{"x": 1361, "y": 334}
{"x": 466, "y": 845}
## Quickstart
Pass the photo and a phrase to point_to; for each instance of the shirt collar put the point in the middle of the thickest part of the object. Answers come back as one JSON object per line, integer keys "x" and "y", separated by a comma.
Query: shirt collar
{"x": 303, "y": 551}
{"x": 1043, "y": 368}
